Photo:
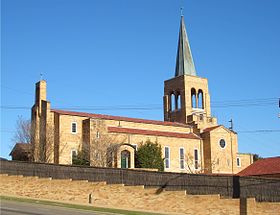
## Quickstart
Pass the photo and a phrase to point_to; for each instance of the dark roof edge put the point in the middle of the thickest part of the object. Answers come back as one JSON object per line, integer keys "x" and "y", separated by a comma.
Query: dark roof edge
{"x": 154, "y": 132}
{"x": 120, "y": 118}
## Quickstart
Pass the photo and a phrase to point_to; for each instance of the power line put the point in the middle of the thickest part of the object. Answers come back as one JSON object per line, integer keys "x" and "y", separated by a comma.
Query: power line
{"x": 16, "y": 90}
{"x": 244, "y": 131}
{"x": 8, "y": 107}
{"x": 260, "y": 131}
{"x": 246, "y": 102}
{"x": 215, "y": 104}
{"x": 7, "y": 131}
{"x": 83, "y": 108}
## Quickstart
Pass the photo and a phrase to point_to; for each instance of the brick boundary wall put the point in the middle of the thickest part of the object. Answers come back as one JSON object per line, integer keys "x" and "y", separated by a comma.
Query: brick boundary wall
{"x": 263, "y": 189}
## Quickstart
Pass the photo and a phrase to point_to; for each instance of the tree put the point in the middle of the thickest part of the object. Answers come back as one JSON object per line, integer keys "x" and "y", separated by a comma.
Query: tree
{"x": 23, "y": 131}
{"x": 80, "y": 159}
{"x": 43, "y": 145}
{"x": 101, "y": 148}
{"x": 22, "y": 150}
{"x": 149, "y": 155}
{"x": 256, "y": 157}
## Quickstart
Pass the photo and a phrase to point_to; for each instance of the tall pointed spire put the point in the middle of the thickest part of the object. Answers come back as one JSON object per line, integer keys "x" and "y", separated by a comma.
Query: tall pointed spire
{"x": 184, "y": 61}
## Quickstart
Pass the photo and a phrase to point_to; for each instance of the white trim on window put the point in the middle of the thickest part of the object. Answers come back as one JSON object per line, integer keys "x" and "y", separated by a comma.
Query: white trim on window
{"x": 225, "y": 142}
{"x": 166, "y": 158}
{"x": 238, "y": 162}
{"x": 181, "y": 159}
{"x": 74, "y": 128}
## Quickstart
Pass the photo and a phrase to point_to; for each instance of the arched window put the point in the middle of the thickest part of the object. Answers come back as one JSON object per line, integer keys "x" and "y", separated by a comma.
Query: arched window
{"x": 193, "y": 97}
{"x": 200, "y": 99}
{"x": 173, "y": 102}
{"x": 179, "y": 103}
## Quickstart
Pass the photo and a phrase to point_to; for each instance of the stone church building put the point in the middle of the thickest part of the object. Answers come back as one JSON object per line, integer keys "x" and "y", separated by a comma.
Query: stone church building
{"x": 190, "y": 138}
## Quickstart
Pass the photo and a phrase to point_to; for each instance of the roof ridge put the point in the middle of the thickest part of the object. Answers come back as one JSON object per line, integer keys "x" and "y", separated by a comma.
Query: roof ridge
{"x": 211, "y": 128}
{"x": 121, "y": 118}
{"x": 153, "y": 132}
{"x": 265, "y": 166}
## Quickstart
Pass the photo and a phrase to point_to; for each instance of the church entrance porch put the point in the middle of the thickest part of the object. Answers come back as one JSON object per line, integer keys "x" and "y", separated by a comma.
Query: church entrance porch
{"x": 125, "y": 156}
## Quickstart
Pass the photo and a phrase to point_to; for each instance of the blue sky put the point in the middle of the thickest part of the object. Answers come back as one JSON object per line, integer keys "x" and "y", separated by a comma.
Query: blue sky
{"x": 105, "y": 55}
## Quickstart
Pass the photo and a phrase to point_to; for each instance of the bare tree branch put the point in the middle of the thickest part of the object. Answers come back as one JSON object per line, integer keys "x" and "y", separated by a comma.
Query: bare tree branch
{"x": 102, "y": 148}
{"x": 23, "y": 131}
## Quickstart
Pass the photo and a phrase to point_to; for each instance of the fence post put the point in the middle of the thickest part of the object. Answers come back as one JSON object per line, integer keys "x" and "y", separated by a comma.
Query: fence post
{"x": 90, "y": 198}
{"x": 243, "y": 206}
{"x": 235, "y": 187}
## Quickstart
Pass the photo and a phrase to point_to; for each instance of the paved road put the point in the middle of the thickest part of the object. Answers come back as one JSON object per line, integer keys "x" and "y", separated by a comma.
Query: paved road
{"x": 14, "y": 208}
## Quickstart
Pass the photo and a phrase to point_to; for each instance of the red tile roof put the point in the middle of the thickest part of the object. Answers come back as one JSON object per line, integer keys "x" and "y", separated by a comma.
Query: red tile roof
{"x": 152, "y": 133}
{"x": 266, "y": 166}
{"x": 211, "y": 128}
{"x": 119, "y": 118}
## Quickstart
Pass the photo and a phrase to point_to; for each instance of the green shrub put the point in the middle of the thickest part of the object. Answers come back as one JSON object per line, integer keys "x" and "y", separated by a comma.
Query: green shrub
{"x": 149, "y": 155}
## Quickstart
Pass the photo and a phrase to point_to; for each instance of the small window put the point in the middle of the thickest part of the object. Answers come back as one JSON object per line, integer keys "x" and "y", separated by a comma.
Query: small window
{"x": 222, "y": 143}
{"x": 238, "y": 161}
{"x": 228, "y": 162}
{"x": 193, "y": 98}
{"x": 74, "y": 155}
{"x": 196, "y": 159}
{"x": 173, "y": 102}
{"x": 200, "y": 99}
{"x": 182, "y": 158}
{"x": 97, "y": 135}
{"x": 179, "y": 102}
{"x": 218, "y": 161}
{"x": 167, "y": 157}
{"x": 97, "y": 155}
{"x": 74, "y": 127}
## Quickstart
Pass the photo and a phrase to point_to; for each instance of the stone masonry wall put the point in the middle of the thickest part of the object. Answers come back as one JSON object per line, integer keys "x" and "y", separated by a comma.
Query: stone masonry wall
{"x": 129, "y": 197}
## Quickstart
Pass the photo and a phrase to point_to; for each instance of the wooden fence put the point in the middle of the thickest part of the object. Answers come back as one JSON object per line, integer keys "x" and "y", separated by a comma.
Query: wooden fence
{"x": 197, "y": 184}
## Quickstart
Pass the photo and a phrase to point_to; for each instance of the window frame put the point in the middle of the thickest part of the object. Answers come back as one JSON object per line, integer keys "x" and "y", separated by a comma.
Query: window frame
{"x": 76, "y": 127}
{"x": 167, "y": 159}
{"x": 71, "y": 154}
{"x": 97, "y": 135}
{"x": 238, "y": 162}
{"x": 182, "y": 159}
{"x": 219, "y": 142}
{"x": 196, "y": 162}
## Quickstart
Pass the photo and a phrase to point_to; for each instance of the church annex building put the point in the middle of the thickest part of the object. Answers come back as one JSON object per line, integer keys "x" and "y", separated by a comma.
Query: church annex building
{"x": 191, "y": 139}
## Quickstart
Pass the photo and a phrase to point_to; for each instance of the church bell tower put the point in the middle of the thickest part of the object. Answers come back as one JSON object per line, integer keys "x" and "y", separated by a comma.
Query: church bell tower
{"x": 186, "y": 97}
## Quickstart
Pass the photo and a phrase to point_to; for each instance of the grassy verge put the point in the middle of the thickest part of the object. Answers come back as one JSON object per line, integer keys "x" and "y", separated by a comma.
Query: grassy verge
{"x": 75, "y": 206}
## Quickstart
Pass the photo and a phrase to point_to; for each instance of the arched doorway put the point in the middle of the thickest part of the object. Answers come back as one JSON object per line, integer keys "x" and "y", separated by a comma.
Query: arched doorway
{"x": 125, "y": 159}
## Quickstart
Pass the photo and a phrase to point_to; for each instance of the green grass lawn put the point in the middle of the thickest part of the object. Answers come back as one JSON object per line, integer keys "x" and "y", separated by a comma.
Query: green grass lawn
{"x": 83, "y": 207}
